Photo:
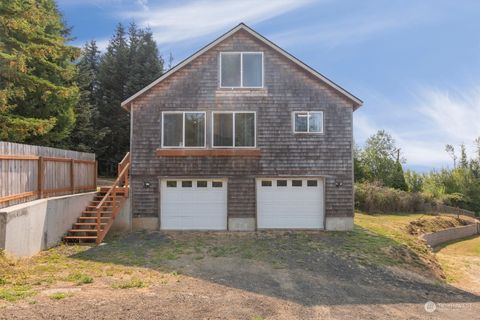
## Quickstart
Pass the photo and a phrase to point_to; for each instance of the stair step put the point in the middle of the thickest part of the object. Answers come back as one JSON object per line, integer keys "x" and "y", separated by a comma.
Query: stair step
{"x": 82, "y": 230}
{"x": 94, "y": 211}
{"x": 80, "y": 237}
{"x": 88, "y": 224}
{"x": 98, "y": 201}
{"x": 93, "y": 218}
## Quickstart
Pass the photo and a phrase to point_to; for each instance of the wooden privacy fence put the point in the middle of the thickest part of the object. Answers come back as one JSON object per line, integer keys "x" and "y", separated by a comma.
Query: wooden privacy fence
{"x": 45, "y": 172}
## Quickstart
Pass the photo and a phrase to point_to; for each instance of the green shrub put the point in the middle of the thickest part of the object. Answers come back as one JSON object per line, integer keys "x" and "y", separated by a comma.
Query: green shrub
{"x": 375, "y": 198}
{"x": 132, "y": 283}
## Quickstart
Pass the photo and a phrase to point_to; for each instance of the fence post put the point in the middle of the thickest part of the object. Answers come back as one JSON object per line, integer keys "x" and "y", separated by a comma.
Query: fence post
{"x": 95, "y": 173}
{"x": 40, "y": 177}
{"x": 72, "y": 175}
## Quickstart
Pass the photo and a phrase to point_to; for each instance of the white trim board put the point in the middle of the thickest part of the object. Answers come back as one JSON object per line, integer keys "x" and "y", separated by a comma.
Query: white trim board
{"x": 356, "y": 101}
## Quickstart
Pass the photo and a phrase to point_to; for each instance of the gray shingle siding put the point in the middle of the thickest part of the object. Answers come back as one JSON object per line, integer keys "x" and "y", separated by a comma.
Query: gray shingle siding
{"x": 287, "y": 88}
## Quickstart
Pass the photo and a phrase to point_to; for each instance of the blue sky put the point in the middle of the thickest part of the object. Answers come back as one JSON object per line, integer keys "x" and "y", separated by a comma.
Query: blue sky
{"x": 415, "y": 64}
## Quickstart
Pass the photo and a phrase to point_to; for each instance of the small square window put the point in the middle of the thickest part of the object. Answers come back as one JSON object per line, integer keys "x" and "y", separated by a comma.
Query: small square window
{"x": 308, "y": 122}
{"x": 186, "y": 184}
{"x": 312, "y": 183}
{"x": 217, "y": 184}
{"x": 266, "y": 183}
{"x": 281, "y": 183}
{"x": 171, "y": 184}
{"x": 202, "y": 184}
{"x": 296, "y": 183}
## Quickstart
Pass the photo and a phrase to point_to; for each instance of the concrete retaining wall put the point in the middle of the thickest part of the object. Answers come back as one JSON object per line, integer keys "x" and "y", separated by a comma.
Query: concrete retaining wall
{"x": 28, "y": 228}
{"x": 435, "y": 238}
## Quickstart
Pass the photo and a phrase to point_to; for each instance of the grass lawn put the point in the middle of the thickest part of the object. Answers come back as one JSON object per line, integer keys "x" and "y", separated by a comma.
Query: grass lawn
{"x": 141, "y": 259}
{"x": 461, "y": 263}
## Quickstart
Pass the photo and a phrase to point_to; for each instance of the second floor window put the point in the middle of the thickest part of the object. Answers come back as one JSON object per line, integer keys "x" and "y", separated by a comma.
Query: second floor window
{"x": 183, "y": 129}
{"x": 308, "y": 122}
{"x": 241, "y": 69}
{"x": 234, "y": 129}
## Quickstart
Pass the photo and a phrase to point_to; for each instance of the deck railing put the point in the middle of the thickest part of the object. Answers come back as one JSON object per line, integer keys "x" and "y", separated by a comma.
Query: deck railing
{"x": 119, "y": 186}
{"x": 29, "y": 177}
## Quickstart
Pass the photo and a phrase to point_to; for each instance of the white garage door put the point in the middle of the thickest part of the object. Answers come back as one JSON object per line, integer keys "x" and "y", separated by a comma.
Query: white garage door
{"x": 193, "y": 204}
{"x": 290, "y": 203}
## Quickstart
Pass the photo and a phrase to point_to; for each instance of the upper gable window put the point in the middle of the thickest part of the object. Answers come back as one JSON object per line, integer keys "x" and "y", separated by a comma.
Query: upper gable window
{"x": 308, "y": 122}
{"x": 241, "y": 69}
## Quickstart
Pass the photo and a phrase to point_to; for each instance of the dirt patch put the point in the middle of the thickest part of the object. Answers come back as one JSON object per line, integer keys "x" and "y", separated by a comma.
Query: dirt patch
{"x": 432, "y": 224}
{"x": 264, "y": 275}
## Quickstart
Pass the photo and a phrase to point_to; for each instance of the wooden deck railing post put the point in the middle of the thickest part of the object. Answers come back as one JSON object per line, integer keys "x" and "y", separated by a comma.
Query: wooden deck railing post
{"x": 95, "y": 174}
{"x": 98, "y": 223}
{"x": 72, "y": 175}
{"x": 40, "y": 177}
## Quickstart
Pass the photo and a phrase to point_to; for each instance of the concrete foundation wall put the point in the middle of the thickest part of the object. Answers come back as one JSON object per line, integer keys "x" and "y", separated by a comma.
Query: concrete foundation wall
{"x": 339, "y": 223}
{"x": 123, "y": 221}
{"x": 241, "y": 224}
{"x": 435, "y": 238}
{"x": 28, "y": 228}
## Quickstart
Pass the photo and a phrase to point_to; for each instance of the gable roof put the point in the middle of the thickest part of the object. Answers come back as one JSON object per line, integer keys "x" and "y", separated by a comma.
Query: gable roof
{"x": 356, "y": 101}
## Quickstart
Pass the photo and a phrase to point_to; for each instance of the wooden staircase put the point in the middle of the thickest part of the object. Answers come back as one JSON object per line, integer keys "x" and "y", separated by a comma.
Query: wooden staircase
{"x": 98, "y": 216}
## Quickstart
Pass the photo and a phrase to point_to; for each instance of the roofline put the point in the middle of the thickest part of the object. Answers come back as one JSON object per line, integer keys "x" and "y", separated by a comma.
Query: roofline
{"x": 356, "y": 101}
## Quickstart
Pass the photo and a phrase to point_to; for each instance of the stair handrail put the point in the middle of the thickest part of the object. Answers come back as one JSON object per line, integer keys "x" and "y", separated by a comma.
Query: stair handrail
{"x": 122, "y": 164}
{"x": 122, "y": 176}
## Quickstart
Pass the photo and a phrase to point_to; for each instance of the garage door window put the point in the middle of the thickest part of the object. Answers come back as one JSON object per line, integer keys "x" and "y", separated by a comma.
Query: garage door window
{"x": 296, "y": 183}
{"x": 171, "y": 184}
{"x": 183, "y": 129}
{"x": 217, "y": 184}
{"x": 281, "y": 183}
{"x": 312, "y": 183}
{"x": 234, "y": 129}
{"x": 186, "y": 184}
{"x": 266, "y": 183}
{"x": 202, "y": 184}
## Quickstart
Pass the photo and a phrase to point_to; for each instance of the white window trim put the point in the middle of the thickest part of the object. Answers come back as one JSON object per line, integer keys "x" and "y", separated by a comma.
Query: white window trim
{"x": 183, "y": 130}
{"x": 308, "y": 122}
{"x": 241, "y": 70}
{"x": 233, "y": 128}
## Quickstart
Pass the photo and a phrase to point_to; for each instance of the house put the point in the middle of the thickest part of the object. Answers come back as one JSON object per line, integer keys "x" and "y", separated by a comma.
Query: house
{"x": 242, "y": 136}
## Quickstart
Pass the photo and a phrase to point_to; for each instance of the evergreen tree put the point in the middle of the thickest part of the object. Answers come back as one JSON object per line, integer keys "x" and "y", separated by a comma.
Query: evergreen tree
{"x": 86, "y": 136}
{"x": 463, "y": 157}
{"x": 112, "y": 77}
{"x": 397, "y": 179}
{"x": 37, "y": 73}
{"x": 131, "y": 62}
{"x": 145, "y": 63}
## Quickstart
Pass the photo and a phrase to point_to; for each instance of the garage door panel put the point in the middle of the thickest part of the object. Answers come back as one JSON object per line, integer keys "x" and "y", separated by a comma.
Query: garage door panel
{"x": 193, "y": 208}
{"x": 290, "y": 207}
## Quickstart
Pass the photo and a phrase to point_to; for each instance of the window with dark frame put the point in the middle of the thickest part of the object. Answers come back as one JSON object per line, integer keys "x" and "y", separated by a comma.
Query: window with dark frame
{"x": 241, "y": 69}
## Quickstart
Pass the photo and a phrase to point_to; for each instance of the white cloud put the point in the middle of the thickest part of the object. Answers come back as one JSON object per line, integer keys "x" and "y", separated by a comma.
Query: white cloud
{"x": 358, "y": 26}
{"x": 143, "y": 4}
{"x": 432, "y": 119}
{"x": 456, "y": 113}
{"x": 174, "y": 23}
